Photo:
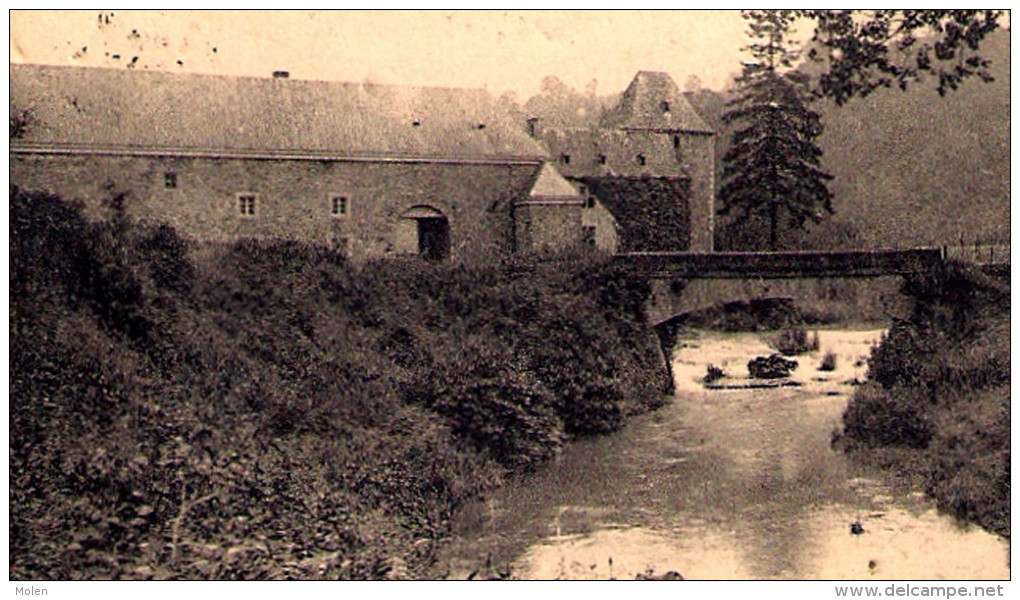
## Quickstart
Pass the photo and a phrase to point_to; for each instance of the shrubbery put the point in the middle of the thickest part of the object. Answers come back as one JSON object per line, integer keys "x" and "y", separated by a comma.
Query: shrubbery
{"x": 794, "y": 341}
{"x": 268, "y": 411}
{"x": 828, "y": 362}
{"x": 939, "y": 385}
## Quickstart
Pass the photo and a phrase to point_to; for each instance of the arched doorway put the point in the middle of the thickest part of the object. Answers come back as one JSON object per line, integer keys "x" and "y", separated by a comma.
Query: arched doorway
{"x": 433, "y": 232}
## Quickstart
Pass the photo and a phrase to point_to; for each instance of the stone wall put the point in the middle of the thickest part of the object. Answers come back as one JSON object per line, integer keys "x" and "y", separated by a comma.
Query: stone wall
{"x": 544, "y": 227}
{"x": 596, "y": 216}
{"x": 697, "y": 153}
{"x": 294, "y": 198}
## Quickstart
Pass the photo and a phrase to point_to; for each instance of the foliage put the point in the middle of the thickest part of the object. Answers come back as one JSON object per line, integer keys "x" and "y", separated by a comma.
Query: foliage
{"x": 713, "y": 374}
{"x": 265, "y": 410}
{"x": 828, "y": 362}
{"x": 794, "y": 341}
{"x": 653, "y": 213}
{"x": 881, "y": 418}
{"x": 772, "y": 169}
{"x": 770, "y": 367}
{"x": 868, "y": 50}
{"x": 939, "y": 386}
{"x": 19, "y": 121}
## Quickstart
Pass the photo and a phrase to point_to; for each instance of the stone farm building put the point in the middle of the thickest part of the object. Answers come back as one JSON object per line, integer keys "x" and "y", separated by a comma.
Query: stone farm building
{"x": 373, "y": 170}
{"x": 645, "y": 169}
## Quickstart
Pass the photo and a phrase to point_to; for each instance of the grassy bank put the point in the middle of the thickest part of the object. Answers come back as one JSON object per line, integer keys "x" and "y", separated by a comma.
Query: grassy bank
{"x": 265, "y": 410}
{"x": 936, "y": 406}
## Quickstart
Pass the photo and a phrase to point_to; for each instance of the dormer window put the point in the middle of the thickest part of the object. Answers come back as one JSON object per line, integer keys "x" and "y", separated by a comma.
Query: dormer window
{"x": 602, "y": 159}
{"x": 665, "y": 106}
{"x": 481, "y": 125}
{"x": 415, "y": 123}
{"x": 565, "y": 159}
{"x": 641, "y": 160}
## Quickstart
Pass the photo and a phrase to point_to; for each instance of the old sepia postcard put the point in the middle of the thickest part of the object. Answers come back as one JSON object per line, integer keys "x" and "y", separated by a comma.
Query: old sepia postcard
{"x": 513, "y": 295}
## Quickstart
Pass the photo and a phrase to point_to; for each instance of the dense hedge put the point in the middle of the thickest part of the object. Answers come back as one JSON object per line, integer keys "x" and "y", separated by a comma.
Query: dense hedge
{"x": 265, "y": 410}
{"x": 937, "y": 401}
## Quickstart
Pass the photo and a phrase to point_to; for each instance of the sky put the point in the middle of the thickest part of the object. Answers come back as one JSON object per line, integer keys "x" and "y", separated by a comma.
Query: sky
{"x": 498, "y": 50}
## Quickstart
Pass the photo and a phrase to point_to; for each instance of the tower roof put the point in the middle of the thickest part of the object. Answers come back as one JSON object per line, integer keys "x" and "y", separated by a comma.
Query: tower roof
{"x": 653, "y": 101}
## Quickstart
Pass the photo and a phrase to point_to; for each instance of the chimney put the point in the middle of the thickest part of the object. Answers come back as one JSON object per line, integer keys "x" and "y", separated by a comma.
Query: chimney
{"x": 281, "y": 74}
{"x": 533, "y": 127}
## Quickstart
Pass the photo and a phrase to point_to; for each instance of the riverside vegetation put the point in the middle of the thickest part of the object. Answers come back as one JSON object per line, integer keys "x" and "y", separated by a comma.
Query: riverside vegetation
{"x": 264, "y": 410}
{"x": 936, "y": 407}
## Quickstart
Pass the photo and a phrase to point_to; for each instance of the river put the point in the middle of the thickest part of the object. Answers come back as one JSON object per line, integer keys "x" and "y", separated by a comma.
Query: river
{"x": 724, "y": 484}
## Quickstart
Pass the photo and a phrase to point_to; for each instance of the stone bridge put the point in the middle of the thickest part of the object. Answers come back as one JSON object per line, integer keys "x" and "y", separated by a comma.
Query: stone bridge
{"x": 684, "y": 282}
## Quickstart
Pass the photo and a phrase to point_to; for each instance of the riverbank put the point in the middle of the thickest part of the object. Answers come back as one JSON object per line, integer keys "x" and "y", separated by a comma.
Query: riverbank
{"x": 724, "y": 484}
{"x": 937, "y": 406}
{"x": 265, "y": 410}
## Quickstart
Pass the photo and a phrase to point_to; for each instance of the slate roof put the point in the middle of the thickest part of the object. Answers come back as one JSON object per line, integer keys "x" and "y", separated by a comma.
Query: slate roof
{"x": 653, "y": 101}
{"x": 126, "y": 110}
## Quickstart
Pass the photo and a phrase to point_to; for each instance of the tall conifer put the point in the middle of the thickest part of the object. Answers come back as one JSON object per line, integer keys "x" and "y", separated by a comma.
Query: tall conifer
{"x": 772, "y": 169}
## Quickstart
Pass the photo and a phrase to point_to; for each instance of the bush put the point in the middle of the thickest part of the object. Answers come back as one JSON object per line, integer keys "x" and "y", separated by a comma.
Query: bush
{"x": 794, "y": 341}
{"x": 771, "y": 367}
{"x": 878, "y": 418}
{"x": 940, "y": 388}
{"x": 758, "y": 314}
{"x": 272, "y": 412}
{"x": 828, "y": 362}
{"x": 714, "y": 374}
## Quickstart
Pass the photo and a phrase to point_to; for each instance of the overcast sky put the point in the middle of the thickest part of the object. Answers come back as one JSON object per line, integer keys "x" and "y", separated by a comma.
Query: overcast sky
{"x": 498, "y": 50}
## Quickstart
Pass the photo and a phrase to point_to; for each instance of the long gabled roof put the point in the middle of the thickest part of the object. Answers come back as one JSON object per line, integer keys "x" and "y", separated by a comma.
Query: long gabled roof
{"x": 121, "y": 110}
{"x": 653, "y": 101}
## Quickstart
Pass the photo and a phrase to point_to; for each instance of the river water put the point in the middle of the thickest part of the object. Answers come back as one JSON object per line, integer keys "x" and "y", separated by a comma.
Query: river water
{"x": 724, "y": 484}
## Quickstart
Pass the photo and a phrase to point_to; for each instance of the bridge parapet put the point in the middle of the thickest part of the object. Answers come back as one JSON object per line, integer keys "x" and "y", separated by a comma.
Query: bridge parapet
{"x": 781, "y": 265}
{"x": 979, "y": 254}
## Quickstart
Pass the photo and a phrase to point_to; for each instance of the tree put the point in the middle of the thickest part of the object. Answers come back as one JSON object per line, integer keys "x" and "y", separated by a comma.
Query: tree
{"x": 772, "y": 167}
{"x": 867, "y": 50}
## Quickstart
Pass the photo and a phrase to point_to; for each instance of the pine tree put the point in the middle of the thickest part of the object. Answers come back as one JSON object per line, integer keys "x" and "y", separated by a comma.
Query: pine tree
{"x": 772, "y": 169}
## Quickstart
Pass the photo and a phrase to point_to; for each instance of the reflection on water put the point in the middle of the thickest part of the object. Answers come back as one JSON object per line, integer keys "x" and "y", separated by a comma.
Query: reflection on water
{"x": 725, "y": 484}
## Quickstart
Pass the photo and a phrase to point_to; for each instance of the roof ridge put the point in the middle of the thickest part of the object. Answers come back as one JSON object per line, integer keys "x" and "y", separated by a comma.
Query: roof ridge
{"x": 104, "y": 107}
{"x": 289, "y": 79}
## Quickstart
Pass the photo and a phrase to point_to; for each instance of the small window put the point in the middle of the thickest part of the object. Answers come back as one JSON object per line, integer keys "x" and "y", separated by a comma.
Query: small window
{"x": 246, "y": 204}
{"x": 665, "y": 106}
{"x": 641, "y": 159}
{"x": 170, "y": 179}
{"x": 602, "y": 159}
{"x": 565, "y": 159}
{"x": 582, "y": 189}
{"x": 590, "y": 202}
{"x": 588, "y": 235}
{"x": 339, "y": 206}
{"x": 676, "y": 141}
